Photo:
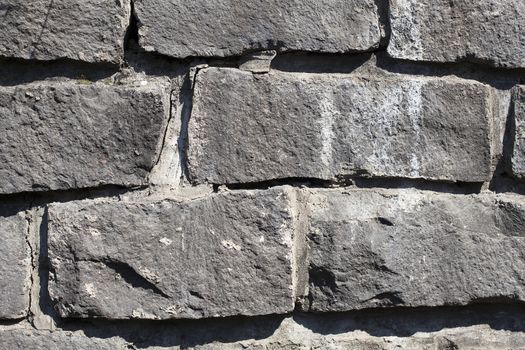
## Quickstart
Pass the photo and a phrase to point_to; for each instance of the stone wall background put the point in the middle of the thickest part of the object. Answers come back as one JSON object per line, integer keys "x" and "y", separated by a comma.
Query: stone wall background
{"x": 262, "y": 175}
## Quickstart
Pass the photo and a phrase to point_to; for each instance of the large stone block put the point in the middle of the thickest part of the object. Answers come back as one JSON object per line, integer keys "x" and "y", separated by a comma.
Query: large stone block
{"x": 15, "y": 267}
{"x": 518, "y": 153}
{"x": 182, "y": 28}
{"x": 68, "y": 135}
{"x": 86, "y": 30}
{"x": 250, "y": 128}
{"x": 485, "y": 31}
{"x": 409, "y": 248}
{"x": 228, "y": 254}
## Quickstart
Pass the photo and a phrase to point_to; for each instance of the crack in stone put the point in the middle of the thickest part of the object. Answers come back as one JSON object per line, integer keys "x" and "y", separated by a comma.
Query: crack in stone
{"x": 33, "y": 269}
{"x": 132, "y": 277}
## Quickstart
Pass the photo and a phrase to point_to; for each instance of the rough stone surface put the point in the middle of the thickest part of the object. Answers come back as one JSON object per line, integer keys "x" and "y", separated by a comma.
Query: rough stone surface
{"x": 296, "y": 336}
{"x": 373, "y": 248}
{"x": 518, "y": 154}
{"x": 461, "y": 30}
{"x": 250, "y": 128}
{"x": 262, "y": 174}
{"x": 180, "y": 28}
{"x": 71, "y": 135}
{"x": 37, "y": 340}
{"x": 228, "y": 254}
{"x": 86, "y": 30}
{"x": 15, "y": 264}
{"x": 291, "y": 334}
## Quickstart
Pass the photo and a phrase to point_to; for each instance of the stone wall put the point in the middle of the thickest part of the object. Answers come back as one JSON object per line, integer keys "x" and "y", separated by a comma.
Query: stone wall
{"x": 219, "y": 174}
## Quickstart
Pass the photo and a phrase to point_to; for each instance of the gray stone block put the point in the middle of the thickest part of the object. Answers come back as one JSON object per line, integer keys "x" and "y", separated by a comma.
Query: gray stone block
{"x": 409, "y": 248}
{"x": 67, "y": 135}
{"x": 228, "y": 254}
{"x": 518, "y": 153}
{"x": 15, "y": 267}
{"x": 182, "y": 28}
{"x": 85, "y": 30}
{"x": 13, "y": 339}
{"x": 251, "y": 128}
{"x": 485, "y": 31}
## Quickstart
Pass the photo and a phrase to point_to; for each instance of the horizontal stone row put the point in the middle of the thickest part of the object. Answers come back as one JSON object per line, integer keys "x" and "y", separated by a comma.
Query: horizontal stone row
{"x": 252, "y": 128}
{"x": 63, "y": 135}
{"x": 258, "y": 252}
{"x": 289, "y": 335}
{"x": 242, "y": 253}
{"x": 248, "y": 128}
{"x": 485, "y": 31}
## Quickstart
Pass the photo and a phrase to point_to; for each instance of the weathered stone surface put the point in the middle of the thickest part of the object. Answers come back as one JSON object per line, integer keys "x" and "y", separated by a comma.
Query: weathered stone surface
{"x": 15, "y": 265}
{"x": 518, "y": 153}
{"x": 228, "y": 254}
{"x": 86, "y": 30}
{"x": 289, "y": 335}
{"x": 297, "y": 336}
{"x": 294, "y": 336}
{"x": 249, "y": 128}
{"x": 409, "y": 248}
{"x": 37, "y": 340}
{"x": 67, "y": 135}
{"x": 180, "y": 28}
{"x": 471, "y": 339}
{"x": 461, "y": 30}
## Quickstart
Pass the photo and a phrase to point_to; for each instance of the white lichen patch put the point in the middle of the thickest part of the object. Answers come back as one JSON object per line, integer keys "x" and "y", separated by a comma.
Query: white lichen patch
{"x": 329, "y": 114}
{"x": 90, "y": 289}
{"x": 165, "y": 241}
{"x": 230, "y": 245}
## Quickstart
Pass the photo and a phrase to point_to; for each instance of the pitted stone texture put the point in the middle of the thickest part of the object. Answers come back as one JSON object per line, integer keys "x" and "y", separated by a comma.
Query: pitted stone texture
{"x": 15, "y": 265}
{"x": 66, "y": 135}
{"x": 181, "y": 28}
{"x": 409, "y": 248}
{"x": 37, "y": 340}
{"x": 518, "y": 154}
{"x": 228, "y": 254}
{"x": 461, "y": 30}
{"x": 85, "y": 30}
{"x": 249, "y": 128}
